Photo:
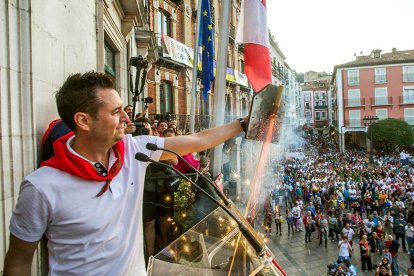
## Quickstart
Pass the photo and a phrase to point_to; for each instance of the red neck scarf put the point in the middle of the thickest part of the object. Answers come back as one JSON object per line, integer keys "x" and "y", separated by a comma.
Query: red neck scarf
{"x": 66, "y": 161}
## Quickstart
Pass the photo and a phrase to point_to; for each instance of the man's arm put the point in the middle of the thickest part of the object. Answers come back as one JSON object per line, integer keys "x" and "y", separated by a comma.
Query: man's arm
{"x": 202, "y": 140}
{"x": 19, "y": 257}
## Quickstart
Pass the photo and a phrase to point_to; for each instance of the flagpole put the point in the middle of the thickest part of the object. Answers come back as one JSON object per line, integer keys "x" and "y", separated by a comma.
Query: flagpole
{"x": 220, "y": 80}
{"x": 195, "y": 69}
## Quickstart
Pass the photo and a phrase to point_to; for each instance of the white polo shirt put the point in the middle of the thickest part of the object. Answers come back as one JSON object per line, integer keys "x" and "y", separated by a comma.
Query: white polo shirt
{"x": 87, "y": 235}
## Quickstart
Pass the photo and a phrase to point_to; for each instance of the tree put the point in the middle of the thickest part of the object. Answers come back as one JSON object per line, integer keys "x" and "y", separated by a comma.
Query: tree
{"x": 391, "y": 134}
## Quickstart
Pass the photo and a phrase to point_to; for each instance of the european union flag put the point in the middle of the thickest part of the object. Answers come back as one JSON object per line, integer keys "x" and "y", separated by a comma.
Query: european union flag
{"x": 206, "y": 42}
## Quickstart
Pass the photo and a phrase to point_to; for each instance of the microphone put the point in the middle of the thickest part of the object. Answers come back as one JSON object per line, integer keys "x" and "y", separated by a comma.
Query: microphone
{"x": 142, "y": 157}
{"x": 154, "y": 147}
{"x": 244, "y": 227}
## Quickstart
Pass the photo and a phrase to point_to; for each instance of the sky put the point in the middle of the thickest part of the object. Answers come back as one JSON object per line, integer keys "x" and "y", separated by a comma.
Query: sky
{"x": 319, "y": 34}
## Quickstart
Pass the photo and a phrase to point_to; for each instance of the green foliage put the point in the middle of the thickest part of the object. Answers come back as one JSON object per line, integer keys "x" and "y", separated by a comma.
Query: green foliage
{"x": 391, "y": 134}
{"x": 184, "y": 198}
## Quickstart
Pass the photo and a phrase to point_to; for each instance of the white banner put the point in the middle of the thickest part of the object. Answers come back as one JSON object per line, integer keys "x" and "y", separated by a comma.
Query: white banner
{"x": 241, "y": 78}
{"x": 178, "y": 51}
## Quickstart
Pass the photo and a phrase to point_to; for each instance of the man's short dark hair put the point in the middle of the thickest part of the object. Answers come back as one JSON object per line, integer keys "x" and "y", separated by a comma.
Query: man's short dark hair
{"x": 78, "y": 94}
{"x": 128, "y": 105}
{"x": 162, "y": 121}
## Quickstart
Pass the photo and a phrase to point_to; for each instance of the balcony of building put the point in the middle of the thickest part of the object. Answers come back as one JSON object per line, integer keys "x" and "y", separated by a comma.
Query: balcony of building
{"x": 380, "y": 79}
{"x": 406, "y": 100}
{"x": 354, "y": 123}
{"x": 164, "y": 59}
{"x": 408, "y": 77}
{"x": 321, "y": 106}
{"x": 380, "y": 101}
{"x": 356, "y": 102}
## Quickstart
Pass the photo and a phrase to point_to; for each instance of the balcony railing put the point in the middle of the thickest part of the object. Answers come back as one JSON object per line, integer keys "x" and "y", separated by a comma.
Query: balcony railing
{"x": 200, "y": 121}
{"x": 408, "y": 77}
{"x": 380, "y": 78}
{"x": 354, "y": 102}
{"x": 353, "y": 81}
{"x": 321, "y": 106}
{"x": 381, "y": 101}
{"x": 406, "y": 100}
{"x": 354, "y": 123}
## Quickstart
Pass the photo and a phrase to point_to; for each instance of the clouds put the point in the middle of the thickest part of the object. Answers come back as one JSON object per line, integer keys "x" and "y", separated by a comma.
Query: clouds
{"x": 318, "y": 34}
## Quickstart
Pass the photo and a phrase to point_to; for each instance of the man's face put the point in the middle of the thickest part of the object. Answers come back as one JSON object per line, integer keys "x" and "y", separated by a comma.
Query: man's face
{"x": 128, "y": 111}
{"x": 162, "y": 126}
{"x": 109, "y": 125}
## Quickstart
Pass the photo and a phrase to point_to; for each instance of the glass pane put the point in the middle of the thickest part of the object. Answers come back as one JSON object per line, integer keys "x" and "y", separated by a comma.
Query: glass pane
{"x": 208, "y": 249}
{"x": 168, "y": 98}
{"x": 162, "y": 97}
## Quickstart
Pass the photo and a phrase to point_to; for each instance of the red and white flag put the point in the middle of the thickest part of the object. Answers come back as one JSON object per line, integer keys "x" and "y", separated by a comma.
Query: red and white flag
{"x": 252, "y": 32}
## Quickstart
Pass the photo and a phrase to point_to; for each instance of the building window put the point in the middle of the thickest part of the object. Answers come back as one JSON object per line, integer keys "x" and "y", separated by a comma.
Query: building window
{"x": 241, "y": 66}
{"x": 354, "y": 98}
{"x": 317, "y": 116}
{"x": 380, "y": 75}
{"x": 408, "y": 94}
{"x": 408, "y": 73}
{"x": 353, "y": 77}
{"x": 355, "y": 118}
{"x": 381, "y": 96}
{"x": 166, "y": 99}
{"x": 409, "y": 115}
{"x": 307, "y": 105}
{"x": 381, "y": 114}
{"x": 323, "y": 115}
{"x": 109, "y": 57}
{"x": 307, "y": 97}
{"x": 163, "y": 25}
{"x": 308, "y": 115}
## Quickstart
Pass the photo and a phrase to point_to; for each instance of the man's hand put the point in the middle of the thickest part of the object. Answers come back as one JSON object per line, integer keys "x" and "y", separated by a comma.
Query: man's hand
{"x": 130, "y": 128}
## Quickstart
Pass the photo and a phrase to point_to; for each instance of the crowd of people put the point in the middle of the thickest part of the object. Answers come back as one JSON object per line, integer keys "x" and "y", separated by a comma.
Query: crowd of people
{"x": 347, "y": 197}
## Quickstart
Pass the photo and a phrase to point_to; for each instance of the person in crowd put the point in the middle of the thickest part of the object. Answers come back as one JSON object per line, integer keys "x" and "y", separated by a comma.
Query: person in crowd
{"x": 290, "y": 222}
{"x": 158, "y": 200}
{"x": 383, "y": 270}
{"x": 344, "y": 249}
{"x": 393, "y": 246}
{"x": 278, "y": 221}
{"x": 399, "y": 231}
{"x": 91, "y": 200}
{"x": 307, "y": 222}
{"x": 365, "y": 250}
{"x": 162, "y": 125}
{"x": 296, "y": 211}
{"x": 323, "y": 229}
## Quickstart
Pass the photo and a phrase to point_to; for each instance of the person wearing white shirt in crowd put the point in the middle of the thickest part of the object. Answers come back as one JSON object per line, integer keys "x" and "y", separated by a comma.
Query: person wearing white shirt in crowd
{"x": 348, "y": 232}
{"x": 409, "y": 234}
{"x": 344, "y": 249}
{"x": 369, "y": 224}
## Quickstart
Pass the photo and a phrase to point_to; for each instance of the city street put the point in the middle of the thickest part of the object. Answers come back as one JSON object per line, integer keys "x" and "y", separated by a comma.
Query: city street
{"x": 298, "y": 258}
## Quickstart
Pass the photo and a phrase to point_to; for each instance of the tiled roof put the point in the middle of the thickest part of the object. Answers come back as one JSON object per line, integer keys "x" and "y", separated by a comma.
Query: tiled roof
{"x": 394, "y": 57}
{"x": 386, "y": 58}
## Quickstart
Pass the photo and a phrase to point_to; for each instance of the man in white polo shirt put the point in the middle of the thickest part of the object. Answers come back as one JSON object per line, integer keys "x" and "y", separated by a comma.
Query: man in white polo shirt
{"x": 87, "y": 199}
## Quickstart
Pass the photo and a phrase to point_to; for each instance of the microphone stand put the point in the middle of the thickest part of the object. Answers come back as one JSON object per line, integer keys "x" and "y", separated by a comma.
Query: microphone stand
{"x": 228, "y": 203}
{"x": 244, "y": 226}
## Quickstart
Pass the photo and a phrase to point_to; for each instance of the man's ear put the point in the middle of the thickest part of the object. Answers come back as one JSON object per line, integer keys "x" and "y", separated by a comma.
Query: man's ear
{"x": 82, "y": 121}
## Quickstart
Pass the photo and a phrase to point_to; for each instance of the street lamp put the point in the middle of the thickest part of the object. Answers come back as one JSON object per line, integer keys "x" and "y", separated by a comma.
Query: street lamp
{"x": 368, "y": 121}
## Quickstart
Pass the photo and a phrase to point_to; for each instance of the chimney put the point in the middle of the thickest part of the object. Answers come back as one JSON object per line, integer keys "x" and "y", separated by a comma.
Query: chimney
{"x": 394, "y": 50}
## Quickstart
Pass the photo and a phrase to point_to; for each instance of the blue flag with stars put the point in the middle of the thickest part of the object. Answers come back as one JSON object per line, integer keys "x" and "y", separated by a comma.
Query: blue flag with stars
{"x": 206, "y": 42}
